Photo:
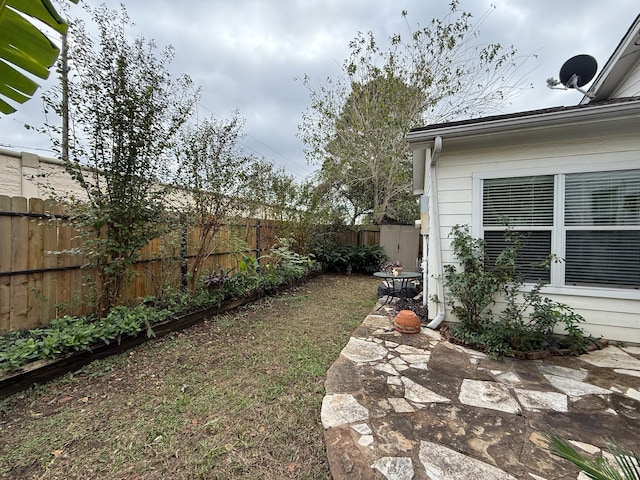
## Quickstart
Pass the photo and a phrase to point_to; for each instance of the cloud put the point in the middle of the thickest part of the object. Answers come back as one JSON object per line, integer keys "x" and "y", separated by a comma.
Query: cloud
{"x": 245, "y": 54}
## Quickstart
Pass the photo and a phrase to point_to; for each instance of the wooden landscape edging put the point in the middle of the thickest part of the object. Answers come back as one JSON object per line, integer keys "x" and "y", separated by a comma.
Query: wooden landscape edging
{"x": 42, "y": 371}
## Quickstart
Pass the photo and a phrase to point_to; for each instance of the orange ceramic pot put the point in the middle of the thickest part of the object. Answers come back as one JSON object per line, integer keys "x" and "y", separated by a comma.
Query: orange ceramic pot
{"x": 406, "y": 321}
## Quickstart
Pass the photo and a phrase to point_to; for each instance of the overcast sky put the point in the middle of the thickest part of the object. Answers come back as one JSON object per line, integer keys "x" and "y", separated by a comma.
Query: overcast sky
{"x": 245, "y": 54}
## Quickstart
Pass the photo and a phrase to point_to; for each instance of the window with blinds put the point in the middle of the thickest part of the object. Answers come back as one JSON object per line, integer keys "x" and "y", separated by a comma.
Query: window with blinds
{"x": 603, "y": 258}
{"x": 600, "y": 233}
{"x": 520, "y": 201}
{"x": 603, "y": 198}
{"x": 532, "y": 261}
{"x": 602, "y": 220}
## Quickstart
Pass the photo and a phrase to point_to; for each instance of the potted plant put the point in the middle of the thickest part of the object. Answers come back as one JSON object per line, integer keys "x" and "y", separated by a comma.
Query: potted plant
{"x": 392, "y": 267}
{"x": 397, "y": 268}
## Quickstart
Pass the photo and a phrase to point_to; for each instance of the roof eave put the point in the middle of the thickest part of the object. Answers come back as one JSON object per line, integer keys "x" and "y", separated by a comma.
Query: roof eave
{"x": 617, "y": 66}
{"x": 514, "y": 124}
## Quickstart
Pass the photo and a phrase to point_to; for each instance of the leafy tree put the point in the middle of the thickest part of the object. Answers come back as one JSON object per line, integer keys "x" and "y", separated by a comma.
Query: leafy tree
{"x": 355, "y": 125}
{"x": 319, "y": 199}
{"x": 362, "y": 163}
{"x": 306, "y": 212}
{"x": 25, "y": 48}
{"x": 213, "y": 174}
{"x": 126, "y": 111}
{"x": 271, "y": 192}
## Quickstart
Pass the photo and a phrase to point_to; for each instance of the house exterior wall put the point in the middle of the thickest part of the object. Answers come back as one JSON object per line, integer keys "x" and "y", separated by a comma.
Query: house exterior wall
{"x": 610, "y": 313}
{"x": 630, "y": 86}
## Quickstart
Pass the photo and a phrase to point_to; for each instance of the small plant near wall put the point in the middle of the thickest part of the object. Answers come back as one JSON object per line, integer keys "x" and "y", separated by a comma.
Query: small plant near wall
{"x": 72, "y": 334}
{"x": 216, "y": 279}
{"x": 528, "y": 321}
{"x": 473, "y": 288}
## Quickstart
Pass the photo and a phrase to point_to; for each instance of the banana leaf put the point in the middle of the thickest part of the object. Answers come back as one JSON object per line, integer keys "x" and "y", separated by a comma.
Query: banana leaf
{"x": 25, "y": 49}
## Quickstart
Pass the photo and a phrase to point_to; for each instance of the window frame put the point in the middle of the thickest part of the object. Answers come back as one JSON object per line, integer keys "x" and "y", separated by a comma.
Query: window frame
{"x": 558, "y": 229}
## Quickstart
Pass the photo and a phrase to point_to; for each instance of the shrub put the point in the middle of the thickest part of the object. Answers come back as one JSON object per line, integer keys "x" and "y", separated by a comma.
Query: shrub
{"x": 69, "y": 334}
{"x": 527, "y": 322}
{"x": 473, "y": 289}
{"x": 368, "y": 258}
{"x": 293, "y": 265}
{"x": 361, "y": 258}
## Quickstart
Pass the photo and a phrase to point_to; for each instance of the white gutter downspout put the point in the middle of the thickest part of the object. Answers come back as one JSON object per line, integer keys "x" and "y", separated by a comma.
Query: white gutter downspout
{"x": 424, "y": 232}
{"x": 435, "y": 229}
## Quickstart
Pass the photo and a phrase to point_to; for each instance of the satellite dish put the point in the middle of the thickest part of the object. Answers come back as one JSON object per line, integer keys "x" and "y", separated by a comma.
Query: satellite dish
{"x": 575, "y": 73}
{"x": 578, "y": 71}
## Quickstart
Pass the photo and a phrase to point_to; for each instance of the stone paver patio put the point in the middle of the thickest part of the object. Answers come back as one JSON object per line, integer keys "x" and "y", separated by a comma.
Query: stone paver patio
{"x": 401, "y": 407}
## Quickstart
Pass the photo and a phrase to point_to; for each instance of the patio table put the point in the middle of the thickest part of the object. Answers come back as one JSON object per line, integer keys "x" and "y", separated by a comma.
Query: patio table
{"x": 396, "y": 284}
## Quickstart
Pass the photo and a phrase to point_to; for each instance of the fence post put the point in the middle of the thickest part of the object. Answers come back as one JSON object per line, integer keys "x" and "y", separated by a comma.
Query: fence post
{"x": 5, "y": 265}
{"x": 258, "y": 239}
{"x": 184, "y": 267}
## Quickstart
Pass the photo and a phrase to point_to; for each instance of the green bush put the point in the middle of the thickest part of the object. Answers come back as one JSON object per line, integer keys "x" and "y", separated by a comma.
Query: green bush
{"x": 368, "y": 258}
{"x": 360, "y": 259}
{"x": 527, "y": 322}
{"x": 69, "y": 334}
{"x": 473, "y": 288}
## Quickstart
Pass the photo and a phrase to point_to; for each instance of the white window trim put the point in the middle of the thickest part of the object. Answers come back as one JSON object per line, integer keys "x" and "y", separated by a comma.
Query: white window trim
{"x": 557, "y": 244}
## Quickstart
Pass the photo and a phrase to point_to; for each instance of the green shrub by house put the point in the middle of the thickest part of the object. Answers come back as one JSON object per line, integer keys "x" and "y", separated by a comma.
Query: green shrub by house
{"x": 528, "y": 320}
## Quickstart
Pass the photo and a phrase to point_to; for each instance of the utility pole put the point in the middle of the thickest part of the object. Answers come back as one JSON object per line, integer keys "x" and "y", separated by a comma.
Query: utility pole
{"x": 65, "y": 98}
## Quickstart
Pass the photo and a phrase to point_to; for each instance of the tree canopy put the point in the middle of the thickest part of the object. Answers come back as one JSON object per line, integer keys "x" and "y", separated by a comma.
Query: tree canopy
{"x": 355, "y": 125}
{"x": 126, "y": 111}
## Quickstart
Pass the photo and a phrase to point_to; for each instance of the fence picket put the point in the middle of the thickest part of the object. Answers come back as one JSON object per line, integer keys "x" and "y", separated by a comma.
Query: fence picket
{"x": 35, "y": 261}
{"x": 50, "y": 260}
{"x": 19, "y": 263}
{"x": 5, "y": 264}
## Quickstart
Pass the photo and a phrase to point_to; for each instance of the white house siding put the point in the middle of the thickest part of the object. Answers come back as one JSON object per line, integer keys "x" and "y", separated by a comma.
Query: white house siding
{"x": 630, "y": 86}
{"x": 610, "y": 313}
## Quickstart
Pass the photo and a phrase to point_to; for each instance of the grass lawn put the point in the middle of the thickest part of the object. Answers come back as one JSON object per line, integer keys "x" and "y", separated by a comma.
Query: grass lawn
{"x": 236, "y": 397}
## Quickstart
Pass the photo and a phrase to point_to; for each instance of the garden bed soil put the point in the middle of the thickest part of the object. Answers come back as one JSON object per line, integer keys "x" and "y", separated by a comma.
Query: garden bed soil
{"x": 597, "y": 344}
{"x": 43, "y": 371}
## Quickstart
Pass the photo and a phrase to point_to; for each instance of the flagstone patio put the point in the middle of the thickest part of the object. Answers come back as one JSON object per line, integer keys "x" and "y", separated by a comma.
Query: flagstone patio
{"x": 402, "y": 406}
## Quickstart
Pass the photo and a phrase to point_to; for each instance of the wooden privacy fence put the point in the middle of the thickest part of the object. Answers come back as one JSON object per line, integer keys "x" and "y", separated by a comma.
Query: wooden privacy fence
{"x": 41, "y": 279}
{"x": 369, "y": 235}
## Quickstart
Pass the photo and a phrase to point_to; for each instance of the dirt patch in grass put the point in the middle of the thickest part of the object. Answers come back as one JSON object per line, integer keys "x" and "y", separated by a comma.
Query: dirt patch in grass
{"x": 236, "y": 397}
